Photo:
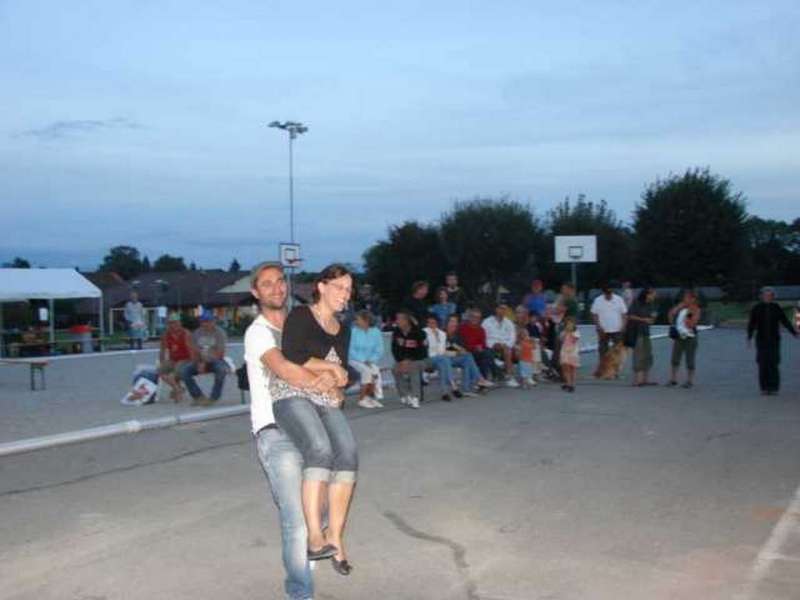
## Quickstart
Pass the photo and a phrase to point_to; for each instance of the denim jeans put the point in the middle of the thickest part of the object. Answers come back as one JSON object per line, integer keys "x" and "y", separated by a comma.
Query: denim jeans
{"x": 323, "y": 436}
{"x": 444, "y": 365}
{"x": 469, "y": 369}
{"x": 218, "y": 367}
{"x": 283, "y": 466}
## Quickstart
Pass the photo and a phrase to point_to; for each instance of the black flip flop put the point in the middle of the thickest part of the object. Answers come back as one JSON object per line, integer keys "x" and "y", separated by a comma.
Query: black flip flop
{"x": 327, "y": 551}
{"x": 342, "y": 567}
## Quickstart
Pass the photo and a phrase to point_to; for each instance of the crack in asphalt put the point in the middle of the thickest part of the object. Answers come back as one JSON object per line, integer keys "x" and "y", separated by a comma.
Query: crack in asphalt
{"x": 459, "y": 552}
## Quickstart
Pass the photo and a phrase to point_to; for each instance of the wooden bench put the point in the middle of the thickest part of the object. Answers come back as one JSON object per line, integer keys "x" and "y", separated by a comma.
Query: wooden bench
{"x": 36, "y": 366}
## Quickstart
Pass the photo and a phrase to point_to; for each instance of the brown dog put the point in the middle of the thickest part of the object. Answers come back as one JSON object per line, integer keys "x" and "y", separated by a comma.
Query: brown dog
{"x": 610, "y": 366}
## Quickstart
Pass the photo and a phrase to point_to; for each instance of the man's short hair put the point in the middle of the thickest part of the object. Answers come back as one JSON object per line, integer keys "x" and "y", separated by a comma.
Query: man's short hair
{"x": 260, "y": 268}
{"x": 418, "y": 285}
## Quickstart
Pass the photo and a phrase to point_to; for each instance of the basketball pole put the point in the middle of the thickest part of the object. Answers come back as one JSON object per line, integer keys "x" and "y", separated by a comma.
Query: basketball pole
{"x": 575, "y": 275}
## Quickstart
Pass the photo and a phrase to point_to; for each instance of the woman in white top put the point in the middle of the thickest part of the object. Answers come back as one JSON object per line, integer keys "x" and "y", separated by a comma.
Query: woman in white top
{"x": 439, "y": 358}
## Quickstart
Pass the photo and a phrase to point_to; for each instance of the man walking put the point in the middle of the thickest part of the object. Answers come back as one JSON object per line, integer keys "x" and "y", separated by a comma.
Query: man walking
{"x": 208, "y": 354}
{"x": 280, "y": 460}
{"x": 609, "y": 313}
{"x": 766, "y": 317}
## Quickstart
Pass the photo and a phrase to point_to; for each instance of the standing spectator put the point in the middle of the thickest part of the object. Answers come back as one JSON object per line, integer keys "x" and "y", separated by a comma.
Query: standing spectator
{"x": 501, "y": 336}
{"x": 135, "y": 318}
{"x": 443, "y": 307}
{"x": 525, "y": 351}
{"x": 609, "y": 314}
{"x": 207, "y": 356}
{"x": 463, "y": 359}
{"x": 474, "y": 338}
{"x": 566, "y": 304}
{"x": 366, "y": 351}
{"x": 535, "y": 301}
{"x": 456, "y": 294}
{"x": 570, "y": 353}
{"x": 641, "y": 315}
{"x": 411, "y": 358}
{"x": 628, "y": 294}
{"x": 685, "y": 317}
{"x": 174, "y": 352}
{"x": 417, "y": 304}
{"x": 437, "y": 354}
{"x": 766, "y": 317}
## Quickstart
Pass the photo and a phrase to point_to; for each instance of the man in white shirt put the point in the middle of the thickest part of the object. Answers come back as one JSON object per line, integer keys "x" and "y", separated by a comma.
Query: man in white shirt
{"x": 280, "y": 459}
{"x": 610, "y": 314}
{"x": 501, "y": 336}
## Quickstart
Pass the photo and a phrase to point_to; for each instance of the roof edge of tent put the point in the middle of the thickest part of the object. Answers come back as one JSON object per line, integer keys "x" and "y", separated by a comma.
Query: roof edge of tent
{"x": 73, "y": 286}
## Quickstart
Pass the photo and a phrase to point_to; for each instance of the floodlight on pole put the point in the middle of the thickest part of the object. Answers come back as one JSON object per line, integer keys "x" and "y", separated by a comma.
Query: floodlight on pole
{"x": 294, "y": 129}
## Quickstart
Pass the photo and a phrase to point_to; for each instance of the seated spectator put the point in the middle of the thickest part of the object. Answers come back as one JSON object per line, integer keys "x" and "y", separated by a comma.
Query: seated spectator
{"x": 455, "y": 293}
{"x": 463, "y": 359}
{"x": 437, "y": 354}
{"x": 535, "y": 301}
{"x": 410, "y": 353}
{"x": 501, "y": 336}
{"x": 366, "y": 351}
{"x": 443, "y": 307}
{"x": 417, "y": 304}
{"x": 207, "y": 356}
{"x": 174, "y": 352}
{"x": 474, "y": 338}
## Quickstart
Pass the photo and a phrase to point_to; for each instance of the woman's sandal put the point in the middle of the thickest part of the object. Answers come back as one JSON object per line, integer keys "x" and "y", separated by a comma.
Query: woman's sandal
{"x": 327, "y": 551}
{"x": 342, "y": 567}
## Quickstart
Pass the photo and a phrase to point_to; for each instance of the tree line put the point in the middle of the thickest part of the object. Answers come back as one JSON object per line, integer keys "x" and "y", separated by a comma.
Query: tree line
{"x": 686, "y": 230}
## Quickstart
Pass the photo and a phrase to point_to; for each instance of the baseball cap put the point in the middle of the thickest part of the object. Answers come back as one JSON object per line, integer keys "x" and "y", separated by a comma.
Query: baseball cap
{"x": 207, "y": 315}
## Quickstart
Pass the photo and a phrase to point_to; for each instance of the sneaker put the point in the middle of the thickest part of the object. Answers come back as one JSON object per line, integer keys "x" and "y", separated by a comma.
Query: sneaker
{"x": 469, "y": 394}
{"x": 201, "y": 401}
{"x": 366, "y": 403}
{"x": 377, "y": 403}
{"x": 486, "y": 384}
{"x": 413, "y": 402}
{"x": 529, "y": 382}
{"x": 512, "y": 383}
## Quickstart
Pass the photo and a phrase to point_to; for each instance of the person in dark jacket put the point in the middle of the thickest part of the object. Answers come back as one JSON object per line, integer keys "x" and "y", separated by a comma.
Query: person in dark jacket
{"x": 417, "y": 305}
{"x": 766, "y": 317}
{"x": 410, "y": 351}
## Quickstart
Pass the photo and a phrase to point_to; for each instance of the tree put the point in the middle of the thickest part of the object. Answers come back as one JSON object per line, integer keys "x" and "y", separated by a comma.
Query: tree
{"x": 493, "y": 241}
{"x": 775, "y": 250}
{"x": 691, "y": 229}
{"x": 167, "y": 262}
{"x": 614, "y": 240}
{"x": 235, "y": 267}
{"x": 412, "y": 251}
{"x": 17, "y": 263}
{"x": 123, "y": 260}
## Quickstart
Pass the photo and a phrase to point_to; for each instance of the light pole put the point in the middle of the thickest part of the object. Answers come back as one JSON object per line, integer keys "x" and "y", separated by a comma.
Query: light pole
{"x": 294, "y": 128}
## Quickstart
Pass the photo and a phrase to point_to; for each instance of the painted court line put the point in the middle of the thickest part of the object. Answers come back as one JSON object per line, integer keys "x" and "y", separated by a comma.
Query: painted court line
{"x": 770, "y": 552}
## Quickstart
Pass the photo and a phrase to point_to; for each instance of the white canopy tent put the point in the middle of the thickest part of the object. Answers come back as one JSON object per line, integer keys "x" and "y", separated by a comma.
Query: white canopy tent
{"x": 20, "y": 285}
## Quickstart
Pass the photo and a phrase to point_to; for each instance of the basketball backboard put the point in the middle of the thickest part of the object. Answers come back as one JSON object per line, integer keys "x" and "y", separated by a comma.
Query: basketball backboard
{"x": 576, "y": 248}
{"x": 290, "y": 255}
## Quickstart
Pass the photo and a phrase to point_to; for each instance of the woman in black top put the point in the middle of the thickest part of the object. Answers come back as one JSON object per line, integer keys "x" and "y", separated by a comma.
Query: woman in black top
{"x": 641, "y": 315}
{"x": 315, "y": 339}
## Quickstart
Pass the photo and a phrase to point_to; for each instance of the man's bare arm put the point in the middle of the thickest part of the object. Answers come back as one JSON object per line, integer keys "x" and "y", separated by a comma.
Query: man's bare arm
{"x": 293, "y": 374}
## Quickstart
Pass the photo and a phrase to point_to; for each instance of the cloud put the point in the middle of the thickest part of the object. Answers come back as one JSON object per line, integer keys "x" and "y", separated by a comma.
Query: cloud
{"x": 62, "y": 129}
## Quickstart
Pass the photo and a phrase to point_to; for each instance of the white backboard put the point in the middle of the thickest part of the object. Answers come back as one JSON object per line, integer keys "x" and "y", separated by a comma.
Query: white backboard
{"x": 289, "y": 255}
{"x": 576, "y": 248}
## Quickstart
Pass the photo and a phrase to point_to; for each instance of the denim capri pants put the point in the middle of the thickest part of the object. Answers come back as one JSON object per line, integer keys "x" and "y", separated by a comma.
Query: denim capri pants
{"x": 322, "y": 435}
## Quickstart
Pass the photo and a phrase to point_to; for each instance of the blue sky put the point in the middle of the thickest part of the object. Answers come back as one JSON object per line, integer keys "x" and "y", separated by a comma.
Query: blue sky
{"x": 143, "y": 123}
